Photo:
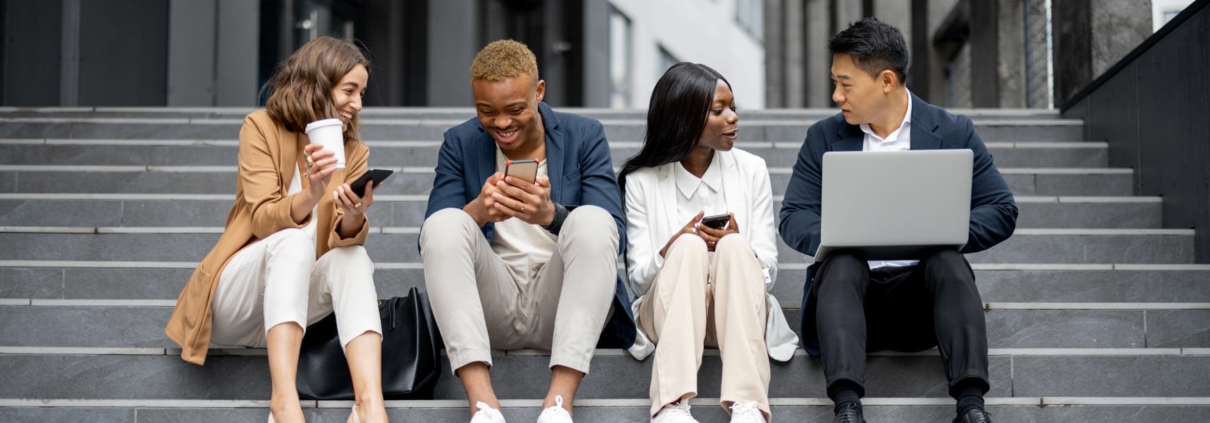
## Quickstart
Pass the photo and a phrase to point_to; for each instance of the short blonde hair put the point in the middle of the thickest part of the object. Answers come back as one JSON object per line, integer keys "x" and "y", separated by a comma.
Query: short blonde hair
{"x": 503, "y": 59}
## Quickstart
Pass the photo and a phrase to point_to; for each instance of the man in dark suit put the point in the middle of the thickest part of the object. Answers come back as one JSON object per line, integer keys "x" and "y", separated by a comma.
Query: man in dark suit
{"x": 852, "y": 306}
{"x": 512, "y": 263}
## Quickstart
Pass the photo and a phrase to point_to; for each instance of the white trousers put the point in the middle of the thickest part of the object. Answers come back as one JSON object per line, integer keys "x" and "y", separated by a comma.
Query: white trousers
{"x": 278, "y": 280}
{"x": 479, "y": 305}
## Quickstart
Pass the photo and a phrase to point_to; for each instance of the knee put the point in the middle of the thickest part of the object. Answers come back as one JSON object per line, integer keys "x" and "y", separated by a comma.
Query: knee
{"x": 292, "y": 245}
{"x": 590, "y": 218}
{"x": 950, "y": 262}
{"x": 687, "y": 245}
{"x": 586, "y": 225}
{"x": 733, "y": 244}
{"x": 352, "y": 257}
{"x": 447, "y": 228}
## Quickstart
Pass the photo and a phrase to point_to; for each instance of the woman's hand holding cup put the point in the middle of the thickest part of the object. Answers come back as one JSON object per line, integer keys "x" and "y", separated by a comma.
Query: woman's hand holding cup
{"x": 321, "y": 164}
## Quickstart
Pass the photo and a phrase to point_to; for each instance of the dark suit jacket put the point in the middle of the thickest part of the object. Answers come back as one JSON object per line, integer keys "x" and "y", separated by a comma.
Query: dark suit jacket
{"x": 993, "y": 211}
{"x": 581, "y": 173}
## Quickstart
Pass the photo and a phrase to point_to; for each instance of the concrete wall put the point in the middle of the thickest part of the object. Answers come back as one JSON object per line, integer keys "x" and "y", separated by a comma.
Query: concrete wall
{"x": 32, "y": 38}
{"x": 694, "y": 31}
{"x": 452, "y": 44}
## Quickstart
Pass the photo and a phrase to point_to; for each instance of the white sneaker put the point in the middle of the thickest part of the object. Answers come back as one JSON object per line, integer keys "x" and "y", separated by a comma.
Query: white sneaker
{"x": 555, "y": 414}
{"x": 487, "y": 414}
{"x": 746, "y": 412}
{"x": 674, "y": 413}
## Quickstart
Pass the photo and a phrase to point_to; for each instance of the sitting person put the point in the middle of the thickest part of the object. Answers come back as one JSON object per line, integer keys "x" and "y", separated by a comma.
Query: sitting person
{"x": 513, "y": 264}
{"x": 291, "y": 252}
{"x": 703, "y": 285}
{"x": 852, "y": 306}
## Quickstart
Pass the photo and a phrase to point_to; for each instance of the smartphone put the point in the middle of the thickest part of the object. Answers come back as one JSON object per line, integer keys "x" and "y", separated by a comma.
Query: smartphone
{"x": 525, "y": 169}
{"x": 717, "y": 221}
{"x": 376, "y": 175}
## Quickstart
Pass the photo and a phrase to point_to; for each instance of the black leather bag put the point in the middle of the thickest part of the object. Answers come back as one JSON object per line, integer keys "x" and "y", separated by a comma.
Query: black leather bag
{"x": 410, "y": 353}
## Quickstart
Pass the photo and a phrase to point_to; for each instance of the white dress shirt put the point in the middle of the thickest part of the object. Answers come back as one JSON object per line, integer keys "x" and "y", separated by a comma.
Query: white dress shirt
{"x": 695, "y": 195}
{"x": 898, "y": 140}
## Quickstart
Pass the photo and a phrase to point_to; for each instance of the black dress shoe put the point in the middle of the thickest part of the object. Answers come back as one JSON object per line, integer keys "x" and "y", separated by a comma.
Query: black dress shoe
{"x": 850, "y": 414}
{"x": 974, "y": 415}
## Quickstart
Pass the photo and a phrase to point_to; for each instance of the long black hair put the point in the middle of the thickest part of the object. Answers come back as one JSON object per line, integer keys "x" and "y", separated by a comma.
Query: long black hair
{"x": 676, "y": 116}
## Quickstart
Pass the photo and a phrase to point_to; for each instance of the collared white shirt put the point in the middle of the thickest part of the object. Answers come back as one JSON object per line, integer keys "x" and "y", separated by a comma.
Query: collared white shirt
{"x": 898, "y": 140}
{"x": 699, "y": 194}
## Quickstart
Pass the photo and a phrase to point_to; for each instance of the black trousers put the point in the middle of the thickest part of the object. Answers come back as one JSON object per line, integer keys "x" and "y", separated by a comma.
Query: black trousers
{"x": 907, "y": 309}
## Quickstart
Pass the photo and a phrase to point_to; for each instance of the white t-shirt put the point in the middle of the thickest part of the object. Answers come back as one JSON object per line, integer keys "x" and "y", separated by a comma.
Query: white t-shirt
{"x": 523, "y": 246}
{"x": 295, "y": 188}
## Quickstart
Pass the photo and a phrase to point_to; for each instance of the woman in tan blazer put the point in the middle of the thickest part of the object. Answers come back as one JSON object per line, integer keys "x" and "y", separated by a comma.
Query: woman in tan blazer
{"x": 292, "y": 250}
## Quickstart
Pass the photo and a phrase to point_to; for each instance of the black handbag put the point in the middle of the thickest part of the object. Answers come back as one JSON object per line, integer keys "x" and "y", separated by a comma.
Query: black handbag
{"x": 411, "y": 348}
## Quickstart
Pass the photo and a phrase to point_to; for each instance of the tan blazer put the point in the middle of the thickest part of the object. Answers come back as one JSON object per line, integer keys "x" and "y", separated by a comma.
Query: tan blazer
{"x": 268, "y": 157}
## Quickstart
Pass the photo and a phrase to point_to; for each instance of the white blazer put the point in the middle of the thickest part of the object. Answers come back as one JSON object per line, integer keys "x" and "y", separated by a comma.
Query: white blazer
{"x": 651, "y": 219}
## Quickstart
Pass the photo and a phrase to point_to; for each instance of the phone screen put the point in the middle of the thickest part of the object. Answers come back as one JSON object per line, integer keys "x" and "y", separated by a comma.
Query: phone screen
{"x": 526, "y": 170}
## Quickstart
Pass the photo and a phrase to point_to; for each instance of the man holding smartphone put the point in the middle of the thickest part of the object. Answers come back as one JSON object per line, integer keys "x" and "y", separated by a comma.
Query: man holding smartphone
{"x": 522, "y": 197}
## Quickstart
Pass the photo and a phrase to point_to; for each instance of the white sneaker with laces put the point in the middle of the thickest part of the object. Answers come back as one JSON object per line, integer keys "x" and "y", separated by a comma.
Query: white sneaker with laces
{"x": 555, "y": 414}
{"x": 674, "y": 413}
{"x": 746, "y": 412}
{"x": 487, "y": 414}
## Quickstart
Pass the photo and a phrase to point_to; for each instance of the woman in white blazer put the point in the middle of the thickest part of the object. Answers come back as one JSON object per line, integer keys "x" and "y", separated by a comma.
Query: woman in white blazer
{"x": 696, "y": 285}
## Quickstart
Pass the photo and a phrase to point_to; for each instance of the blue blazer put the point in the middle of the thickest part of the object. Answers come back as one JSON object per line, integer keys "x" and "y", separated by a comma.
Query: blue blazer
{"x": 993, "y": 211}
{"x": 581, "y": 173}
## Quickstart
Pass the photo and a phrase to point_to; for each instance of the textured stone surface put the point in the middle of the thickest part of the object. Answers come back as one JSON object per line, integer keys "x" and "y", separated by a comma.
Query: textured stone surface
{"x": 1178, "y": 328}
{"x": 31, "y": 283}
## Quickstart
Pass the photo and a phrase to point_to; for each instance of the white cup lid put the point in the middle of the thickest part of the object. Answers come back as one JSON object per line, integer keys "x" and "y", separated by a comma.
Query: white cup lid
{"x": 321, "y": 123}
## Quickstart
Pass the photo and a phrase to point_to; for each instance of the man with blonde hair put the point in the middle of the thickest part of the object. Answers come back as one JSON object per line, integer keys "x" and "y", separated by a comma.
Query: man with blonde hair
{"x": 500, "y": 251}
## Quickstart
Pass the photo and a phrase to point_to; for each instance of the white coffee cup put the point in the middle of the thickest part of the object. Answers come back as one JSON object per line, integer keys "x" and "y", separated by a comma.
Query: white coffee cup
{"x": 329, "y": 133}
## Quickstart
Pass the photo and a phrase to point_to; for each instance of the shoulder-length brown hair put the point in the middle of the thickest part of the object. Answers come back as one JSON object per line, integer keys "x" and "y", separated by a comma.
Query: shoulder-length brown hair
{"x": 300, "y": 91}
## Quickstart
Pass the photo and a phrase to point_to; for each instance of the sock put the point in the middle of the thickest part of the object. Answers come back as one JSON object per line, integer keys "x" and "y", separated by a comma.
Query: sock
{"x": 844, "y": 393}
{"x": 970, "y": 396}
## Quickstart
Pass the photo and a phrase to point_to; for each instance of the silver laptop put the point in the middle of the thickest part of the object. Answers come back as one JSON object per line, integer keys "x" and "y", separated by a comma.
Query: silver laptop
{"x": 895, "y": 205}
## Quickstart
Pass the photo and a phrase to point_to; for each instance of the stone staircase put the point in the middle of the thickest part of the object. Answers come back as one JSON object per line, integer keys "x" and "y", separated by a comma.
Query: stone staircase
{"x": 1094, "y": 313}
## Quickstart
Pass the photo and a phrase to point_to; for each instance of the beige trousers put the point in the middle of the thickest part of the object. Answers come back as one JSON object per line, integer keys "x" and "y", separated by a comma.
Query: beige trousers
{"x": 696, "y": 302}
{"x": 278, "y": 280}
{"x": 479, "y": 305}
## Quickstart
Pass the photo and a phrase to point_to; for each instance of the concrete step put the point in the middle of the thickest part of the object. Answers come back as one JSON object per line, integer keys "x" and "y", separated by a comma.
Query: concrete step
{"x": 615, "y": 375}
{"x": 706, "y": 410}
{"x": 463, "y": 113}
{"x": 1028, "y": 130}
{"x": 419, "y": 180}
{"x": 424, "y": 153}
{"x": 1011, "y": 283}
{"x": 140, "y": 324}
{"x": 141, "y": 210}
{"x": 399, "y": 244}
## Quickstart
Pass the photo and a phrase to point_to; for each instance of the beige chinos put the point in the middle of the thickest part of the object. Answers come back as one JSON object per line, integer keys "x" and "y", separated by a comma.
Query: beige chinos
{"x": 480, "y": 305}
{"x": 697, "y": 301}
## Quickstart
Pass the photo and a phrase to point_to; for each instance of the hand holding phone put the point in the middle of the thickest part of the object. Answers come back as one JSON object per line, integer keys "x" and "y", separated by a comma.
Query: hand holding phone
{"x": 525, "y": 169}
{"x": 376, "y": 175}
{"x": 718, "y": 221}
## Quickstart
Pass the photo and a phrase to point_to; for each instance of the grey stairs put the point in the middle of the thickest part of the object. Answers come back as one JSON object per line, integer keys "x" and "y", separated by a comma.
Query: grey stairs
{"x": 1094, "y": 312}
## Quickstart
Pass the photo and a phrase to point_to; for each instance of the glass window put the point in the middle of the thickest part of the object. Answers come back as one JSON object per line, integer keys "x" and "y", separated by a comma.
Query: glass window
{"x": 619, "y": 60}
{"x": 666, "y": 60}
{"x": 750, "y": 15}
